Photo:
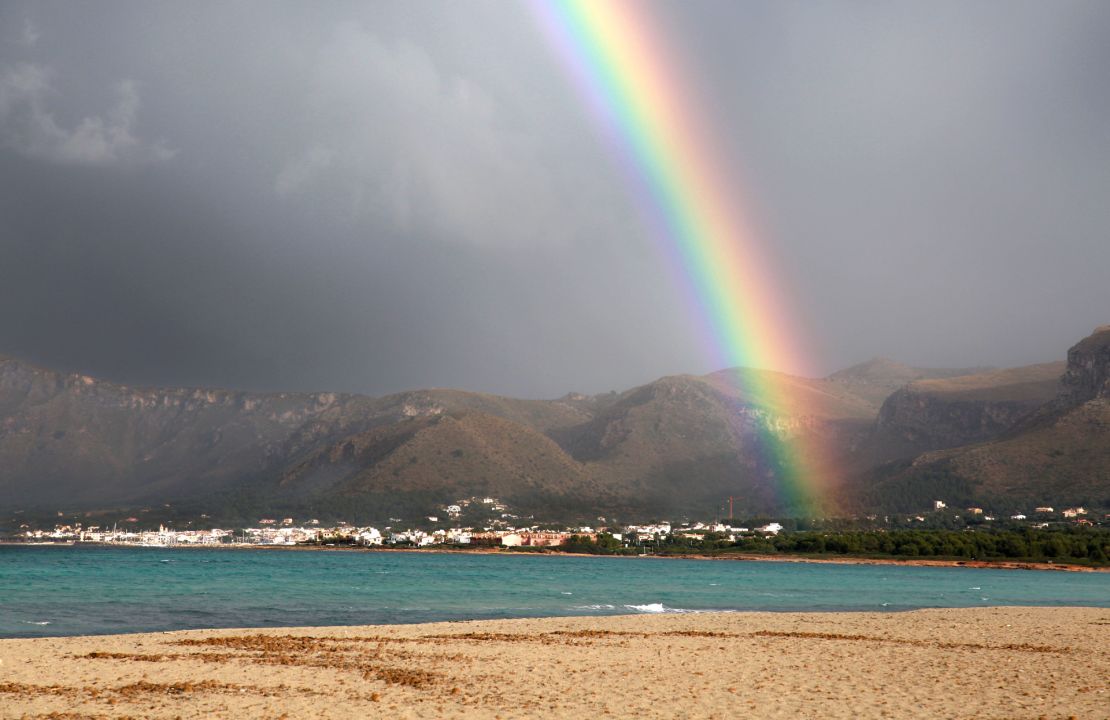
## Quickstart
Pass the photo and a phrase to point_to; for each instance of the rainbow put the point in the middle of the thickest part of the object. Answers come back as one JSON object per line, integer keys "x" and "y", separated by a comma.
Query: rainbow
{"x": 633, "y": 87}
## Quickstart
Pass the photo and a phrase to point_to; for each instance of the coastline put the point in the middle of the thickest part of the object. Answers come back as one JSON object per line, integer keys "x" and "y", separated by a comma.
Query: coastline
{"x": 741, "y": 557}
{"x": 971, "y": 662}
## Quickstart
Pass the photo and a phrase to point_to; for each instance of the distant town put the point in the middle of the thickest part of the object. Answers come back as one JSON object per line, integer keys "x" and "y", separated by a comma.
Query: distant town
{"x": 503, "y": 529}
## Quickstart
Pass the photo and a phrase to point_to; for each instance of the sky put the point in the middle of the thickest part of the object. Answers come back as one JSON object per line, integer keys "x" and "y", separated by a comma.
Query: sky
{"x": 378, "y": 196}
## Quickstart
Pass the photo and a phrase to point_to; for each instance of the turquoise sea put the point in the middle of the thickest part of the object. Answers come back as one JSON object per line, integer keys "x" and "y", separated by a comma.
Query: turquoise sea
{"x": 91, "y": 590}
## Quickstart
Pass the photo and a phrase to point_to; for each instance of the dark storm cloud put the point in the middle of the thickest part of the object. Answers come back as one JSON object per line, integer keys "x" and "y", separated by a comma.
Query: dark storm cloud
{"x": 373, "y": 197}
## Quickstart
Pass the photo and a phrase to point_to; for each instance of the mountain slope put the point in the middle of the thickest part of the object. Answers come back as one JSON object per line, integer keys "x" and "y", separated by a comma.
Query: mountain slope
{"x": 1058, "y": 454}
{"x": 85, "y": 441}
{"x": 686, "y": 441}
{"x": 875, "y": 379}
{"x": 421, "y": 463}
{"x": 942, "y": 413}
{"x": 73, "y": 438}
{"x": 678, "y": 444}
{"x": 879, "y": 434}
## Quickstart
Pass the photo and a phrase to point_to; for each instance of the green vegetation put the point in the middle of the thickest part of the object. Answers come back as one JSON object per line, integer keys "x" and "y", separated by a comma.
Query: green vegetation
{"x": 1080, "y": 545}
{"x": 604, "y": 545}
{"x": 1085, "y": 546}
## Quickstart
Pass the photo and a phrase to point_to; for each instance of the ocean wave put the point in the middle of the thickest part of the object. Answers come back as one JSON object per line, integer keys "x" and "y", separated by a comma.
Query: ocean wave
{"x": 37, "y": 622}
{"x": 651, "y": 608}
{"x": 658, "y": 608}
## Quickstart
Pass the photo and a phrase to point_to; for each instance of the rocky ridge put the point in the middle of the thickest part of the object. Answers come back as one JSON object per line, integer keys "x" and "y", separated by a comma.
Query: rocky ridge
{"x": 1056, "y": 454}
{"x": 880, "y": 434}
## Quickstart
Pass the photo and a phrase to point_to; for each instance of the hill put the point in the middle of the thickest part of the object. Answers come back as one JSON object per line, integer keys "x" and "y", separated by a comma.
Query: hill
{"x": 678, "y": 444}
{"x": 81, "y": 441}
{"x": 1056, "y": 454}
{"x": 875, "y": 379}
{"x": 77, "y": 441}
{"x": 879, "y": 435}
{"x": 942, "y": 413}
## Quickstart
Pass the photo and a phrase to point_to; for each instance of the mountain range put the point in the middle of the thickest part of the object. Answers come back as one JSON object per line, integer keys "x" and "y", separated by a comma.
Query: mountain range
{"x": 879, "y": 436}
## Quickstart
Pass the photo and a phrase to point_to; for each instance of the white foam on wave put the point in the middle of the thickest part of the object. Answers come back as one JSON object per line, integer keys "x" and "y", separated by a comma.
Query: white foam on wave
{"x": 649, "y": 608}
{"x": 658, "y": 608}
{"x": 652, "y": 608}
{"x": 564, "y": 592}
{"x": 37, "y": 622}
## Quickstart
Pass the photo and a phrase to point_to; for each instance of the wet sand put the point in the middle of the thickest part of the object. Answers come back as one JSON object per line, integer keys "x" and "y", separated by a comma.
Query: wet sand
{"x": 952, "y": 663}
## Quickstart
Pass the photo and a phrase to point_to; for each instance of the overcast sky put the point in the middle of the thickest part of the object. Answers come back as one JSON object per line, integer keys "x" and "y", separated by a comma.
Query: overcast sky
{"x": 378, "y": 196}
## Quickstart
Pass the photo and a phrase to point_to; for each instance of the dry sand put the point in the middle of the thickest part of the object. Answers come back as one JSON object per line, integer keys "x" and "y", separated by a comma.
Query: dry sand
{"x": 971, "y": 663}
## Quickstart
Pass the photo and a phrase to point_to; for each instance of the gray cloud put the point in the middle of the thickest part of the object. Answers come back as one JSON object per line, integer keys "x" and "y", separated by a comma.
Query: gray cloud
{"x": 372, "y": 197}
{"x": 29, "y": 127}
{"x": 426, "y": 152}
{"x": 30, "y": 32}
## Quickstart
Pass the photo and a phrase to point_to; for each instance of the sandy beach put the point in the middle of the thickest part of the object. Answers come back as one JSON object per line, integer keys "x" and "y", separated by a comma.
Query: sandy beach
{"x": 962, "y": 663}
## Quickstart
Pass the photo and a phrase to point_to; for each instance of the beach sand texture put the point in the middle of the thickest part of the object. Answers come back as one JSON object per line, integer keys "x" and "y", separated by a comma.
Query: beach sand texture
{"x": 953, "y": 663}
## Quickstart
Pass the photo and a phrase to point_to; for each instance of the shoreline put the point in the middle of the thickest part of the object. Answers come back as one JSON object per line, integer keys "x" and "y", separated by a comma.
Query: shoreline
{"x": 936, "y": 663}
{"x": 739, "y": 557}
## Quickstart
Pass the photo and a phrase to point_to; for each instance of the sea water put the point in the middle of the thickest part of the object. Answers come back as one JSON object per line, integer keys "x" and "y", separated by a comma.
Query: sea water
{"x": 91, "y": 590}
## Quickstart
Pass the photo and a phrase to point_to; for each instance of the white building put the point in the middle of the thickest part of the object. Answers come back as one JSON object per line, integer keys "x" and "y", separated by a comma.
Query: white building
{"x": 370, "y": 536}
{"x": 458, "y": 536}
{"x": 645, "y": 533}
